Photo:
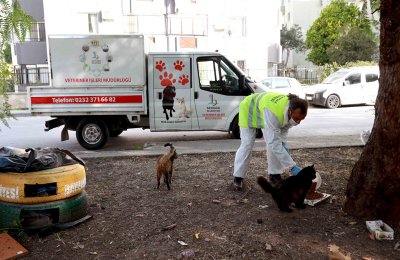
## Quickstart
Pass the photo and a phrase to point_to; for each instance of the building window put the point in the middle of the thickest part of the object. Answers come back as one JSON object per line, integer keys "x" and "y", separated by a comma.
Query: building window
{"x": 241, "y": 64}
{"x": 37, "y": 32}
{"x": 237, "y": 26}
{"x": 93, "y": 23}
{"x": 188, "y": 42}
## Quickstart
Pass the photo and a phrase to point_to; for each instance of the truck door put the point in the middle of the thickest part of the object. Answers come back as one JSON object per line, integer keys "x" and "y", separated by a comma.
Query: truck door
{"x": 352, "y": 89}
{"x": 371, "y": 86}
{"x": 217, "y": 92}
{"x": 172, "y": 104}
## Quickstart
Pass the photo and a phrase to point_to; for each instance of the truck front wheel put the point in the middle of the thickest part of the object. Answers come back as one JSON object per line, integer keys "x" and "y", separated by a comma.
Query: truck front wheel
{"x": 235, "y": 129}
{"x": 333, "y": 101}
{"x": 92, "y": 134}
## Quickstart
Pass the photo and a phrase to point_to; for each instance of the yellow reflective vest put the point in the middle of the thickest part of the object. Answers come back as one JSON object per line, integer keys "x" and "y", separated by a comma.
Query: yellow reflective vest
{"x": 251, "y": 109}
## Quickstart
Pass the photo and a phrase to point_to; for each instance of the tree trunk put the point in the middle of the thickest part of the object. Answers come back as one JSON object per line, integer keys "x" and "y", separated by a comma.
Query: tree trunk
{"x": 287, "y": 57}
{"x": 373, "y": 190}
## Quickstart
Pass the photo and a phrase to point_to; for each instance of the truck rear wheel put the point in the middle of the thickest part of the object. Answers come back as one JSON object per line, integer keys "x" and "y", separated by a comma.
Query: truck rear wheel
{"x": 92, "y": 133}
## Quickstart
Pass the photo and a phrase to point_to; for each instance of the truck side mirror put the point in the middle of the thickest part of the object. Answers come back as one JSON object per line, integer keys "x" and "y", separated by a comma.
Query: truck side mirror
{"x": 241, "y": 81}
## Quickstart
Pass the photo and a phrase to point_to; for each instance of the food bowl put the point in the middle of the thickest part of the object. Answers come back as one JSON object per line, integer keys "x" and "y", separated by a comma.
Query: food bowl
{"x": 316, "y": 182}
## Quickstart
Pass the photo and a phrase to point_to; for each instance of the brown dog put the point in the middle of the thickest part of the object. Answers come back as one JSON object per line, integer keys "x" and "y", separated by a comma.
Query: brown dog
{"x": 165, "y": 165}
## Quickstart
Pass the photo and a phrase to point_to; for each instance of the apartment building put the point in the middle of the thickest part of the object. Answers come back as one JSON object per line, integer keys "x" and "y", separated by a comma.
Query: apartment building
{"x": 30, "y": 57}
{"x": 240, "y": 29}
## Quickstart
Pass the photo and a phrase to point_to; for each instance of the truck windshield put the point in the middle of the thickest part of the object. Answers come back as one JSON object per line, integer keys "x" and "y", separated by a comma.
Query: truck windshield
{"x": 335, "y": 77}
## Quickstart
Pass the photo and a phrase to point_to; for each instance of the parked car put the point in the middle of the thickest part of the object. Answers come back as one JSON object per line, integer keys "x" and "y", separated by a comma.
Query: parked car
{"x": 284, "y": 85}
{"x": 350, "y": 86}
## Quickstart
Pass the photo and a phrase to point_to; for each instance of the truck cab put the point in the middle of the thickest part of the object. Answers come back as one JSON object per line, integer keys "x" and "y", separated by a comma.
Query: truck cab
{"x": 199, "y": 91}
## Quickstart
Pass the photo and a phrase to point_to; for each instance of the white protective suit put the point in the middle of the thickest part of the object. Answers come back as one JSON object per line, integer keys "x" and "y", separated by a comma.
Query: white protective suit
{"x": 278, "y": 157}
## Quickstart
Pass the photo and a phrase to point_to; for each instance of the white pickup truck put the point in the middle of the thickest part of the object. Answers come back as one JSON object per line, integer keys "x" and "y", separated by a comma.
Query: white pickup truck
{"x": 102, "y": 85}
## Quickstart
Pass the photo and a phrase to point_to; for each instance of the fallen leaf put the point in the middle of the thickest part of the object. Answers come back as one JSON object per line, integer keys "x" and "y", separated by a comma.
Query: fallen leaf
{"x": 197, "y": 235}
{"x": 335, "y": 254}
{"x": 78, "y": 245}
{"x": 169, "y": 227}
{"x": 216, "y": 201}
{"x": 187, "y": 254}
{"x": 222, "y": 238}
{"x": 368, "y": 258}
{"x": 397, "y": 246}
{"x": 182, "y": 243}
{"x": 93, "y": 253}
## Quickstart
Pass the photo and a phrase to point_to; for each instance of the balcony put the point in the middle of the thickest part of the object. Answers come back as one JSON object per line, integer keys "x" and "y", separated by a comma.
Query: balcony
{"x": 33, "y": 49}
{"x": 182, "y": 25}
{"x": 37, "y": 33}
{"x": 31, "y": 75}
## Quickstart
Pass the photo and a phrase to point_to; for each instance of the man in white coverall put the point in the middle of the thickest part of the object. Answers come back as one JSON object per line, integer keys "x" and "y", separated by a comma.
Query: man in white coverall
{"x": 274, "y": 114}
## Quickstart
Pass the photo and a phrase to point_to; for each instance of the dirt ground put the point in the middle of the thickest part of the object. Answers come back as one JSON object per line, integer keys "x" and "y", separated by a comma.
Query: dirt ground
{"x": 207, "y": 219}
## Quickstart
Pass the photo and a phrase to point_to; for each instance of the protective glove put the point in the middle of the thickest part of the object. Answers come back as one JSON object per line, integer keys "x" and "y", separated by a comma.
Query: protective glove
{"x": 286, "y": 146}
{"x": 295, "y": 170}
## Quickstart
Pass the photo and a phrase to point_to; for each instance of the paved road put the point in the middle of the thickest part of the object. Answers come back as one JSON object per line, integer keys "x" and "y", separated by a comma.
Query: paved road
{"x": 321, "y": 128}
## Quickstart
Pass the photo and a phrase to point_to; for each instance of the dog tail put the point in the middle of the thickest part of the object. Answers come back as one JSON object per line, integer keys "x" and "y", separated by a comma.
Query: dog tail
{"x": 265, "y": 185}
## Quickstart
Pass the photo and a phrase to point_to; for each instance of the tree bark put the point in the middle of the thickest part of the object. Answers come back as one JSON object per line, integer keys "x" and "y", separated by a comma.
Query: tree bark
{"x": 287, "y": 57}
{"x": 373, "y": 190}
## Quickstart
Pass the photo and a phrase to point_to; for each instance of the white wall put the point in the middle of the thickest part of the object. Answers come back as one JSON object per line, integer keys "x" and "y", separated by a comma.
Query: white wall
{"x": 71, "y": 16}
{"x": 305, "y": 20}
{"x": 262, "y": 31}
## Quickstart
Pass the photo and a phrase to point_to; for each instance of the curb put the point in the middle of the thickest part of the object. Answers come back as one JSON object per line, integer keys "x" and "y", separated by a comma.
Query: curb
{"x": 20, "y": 113}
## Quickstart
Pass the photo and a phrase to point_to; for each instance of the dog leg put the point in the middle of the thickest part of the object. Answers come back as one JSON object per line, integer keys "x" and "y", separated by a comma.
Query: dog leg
{"x": 167, "y": 181}
{"x": 158, "y": 182}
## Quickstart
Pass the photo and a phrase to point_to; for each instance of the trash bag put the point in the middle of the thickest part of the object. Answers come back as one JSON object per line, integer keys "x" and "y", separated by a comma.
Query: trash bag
{"x": 35, "y": 159}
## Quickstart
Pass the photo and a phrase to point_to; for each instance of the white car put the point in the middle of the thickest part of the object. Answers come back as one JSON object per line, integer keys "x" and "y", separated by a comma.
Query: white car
{"x": 284, "y": 85}
{"x": 350, "y": 86}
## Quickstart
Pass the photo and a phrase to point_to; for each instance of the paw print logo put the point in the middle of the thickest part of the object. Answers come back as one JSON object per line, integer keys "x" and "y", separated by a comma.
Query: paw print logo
{"x": 184, "y": 79}
{"x": 167, "y": 80}
{"x": 160, "y": 65}
{"x": 179, "y": 65}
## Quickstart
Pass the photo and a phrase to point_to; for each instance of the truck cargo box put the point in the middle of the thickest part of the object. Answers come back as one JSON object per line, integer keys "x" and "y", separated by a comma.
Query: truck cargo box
{"x": 93, "y": 74}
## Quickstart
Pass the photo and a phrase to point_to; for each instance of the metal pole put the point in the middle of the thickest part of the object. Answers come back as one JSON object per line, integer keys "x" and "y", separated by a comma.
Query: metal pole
{"x": 166, "y": 28}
